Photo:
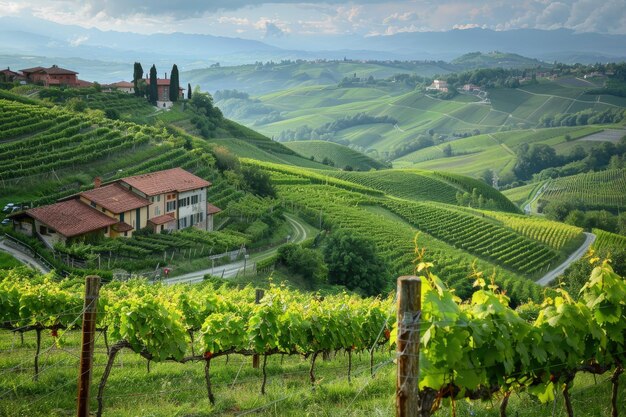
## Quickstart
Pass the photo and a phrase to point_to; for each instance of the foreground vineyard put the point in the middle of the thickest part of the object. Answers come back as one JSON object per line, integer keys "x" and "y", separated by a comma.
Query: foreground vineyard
{"x": 512, "y": 350}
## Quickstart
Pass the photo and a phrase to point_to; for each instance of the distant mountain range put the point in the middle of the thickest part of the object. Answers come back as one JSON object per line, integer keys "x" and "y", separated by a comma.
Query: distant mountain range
{"x": 36, "y": 37}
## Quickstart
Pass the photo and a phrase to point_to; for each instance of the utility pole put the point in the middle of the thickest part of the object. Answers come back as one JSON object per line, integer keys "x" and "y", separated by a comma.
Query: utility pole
{"x": 408, "y": 344}
{"x": 92, "y": 288}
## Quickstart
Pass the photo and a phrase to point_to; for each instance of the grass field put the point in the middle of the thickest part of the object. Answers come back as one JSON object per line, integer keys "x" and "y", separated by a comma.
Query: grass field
{"x": 7, "y": 261}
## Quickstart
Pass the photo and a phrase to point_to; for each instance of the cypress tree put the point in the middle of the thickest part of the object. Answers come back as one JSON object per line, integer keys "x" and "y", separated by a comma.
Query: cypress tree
{"x": 188, "y": 91}
{"x": 154, "y": 92}
{"x": 137, "y": 75}
{"x": 174, "y": 84}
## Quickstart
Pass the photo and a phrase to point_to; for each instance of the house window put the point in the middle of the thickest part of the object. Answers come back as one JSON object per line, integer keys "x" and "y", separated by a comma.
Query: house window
{"x": 43, "y": 230}
{"x": 171, "y": 206}
{"x": 194, "y": 199}
{"x": 157, "y": 210}
{"x": 158, "y": 198}
{"x": 183, "y": 222}
{"x": 125, "y": 233}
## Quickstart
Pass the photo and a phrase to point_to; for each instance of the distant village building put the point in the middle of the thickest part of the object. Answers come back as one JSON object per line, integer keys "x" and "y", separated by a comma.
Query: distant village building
{"x": 172, "y": 199}
{"x": 54, "y": 76}
{"x": 163, "y": 92}
{"x": 123, "y": 86}
{"x": 439, "y": 85}
{"x": 10, "y": 76}
{"x": 471, "y": 87}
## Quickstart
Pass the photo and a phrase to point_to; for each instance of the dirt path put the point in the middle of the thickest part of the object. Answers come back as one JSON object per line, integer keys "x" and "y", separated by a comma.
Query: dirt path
{"x": 527, "y": 207}
{"x": 579, "y": 253}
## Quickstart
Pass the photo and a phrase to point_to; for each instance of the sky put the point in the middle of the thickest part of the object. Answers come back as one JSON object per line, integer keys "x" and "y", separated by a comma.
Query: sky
{"x": 257, "y": 19}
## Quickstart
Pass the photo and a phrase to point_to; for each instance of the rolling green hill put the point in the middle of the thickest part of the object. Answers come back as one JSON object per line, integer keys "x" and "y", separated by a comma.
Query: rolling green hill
{"x": 471, "y": 156}
{"x": 55, "y": 152}
{"x": 604, "y": 190}
{"x": 299, "y": 113}
{"x": 269, "y": 77}
{"x": 390, "y": 206}
{"x": 340, "y": 156}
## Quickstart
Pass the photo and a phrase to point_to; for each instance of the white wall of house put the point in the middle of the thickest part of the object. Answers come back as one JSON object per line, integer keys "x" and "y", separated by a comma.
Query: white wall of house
{"x": 50, "y": 236}
{"x": 192, "y": 208}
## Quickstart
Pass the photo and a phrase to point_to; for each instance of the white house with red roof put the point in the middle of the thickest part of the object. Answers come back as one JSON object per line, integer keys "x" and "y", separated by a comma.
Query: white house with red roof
{"x": 164, "y": 200}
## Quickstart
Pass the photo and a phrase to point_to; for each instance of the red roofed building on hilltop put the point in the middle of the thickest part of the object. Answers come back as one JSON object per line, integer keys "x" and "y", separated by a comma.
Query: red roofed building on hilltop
{"x": 8, "y": 76}
{"x": 163, "y": 92}
{"x": 164, "y": 200}
{"x": 54, "y": 76}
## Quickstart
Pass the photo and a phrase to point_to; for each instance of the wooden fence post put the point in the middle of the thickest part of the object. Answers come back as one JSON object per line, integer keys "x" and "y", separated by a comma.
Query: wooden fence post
{"x": 408, "y": 343}
{"x": 92, "y": 288}
{"x": 257, "y": 300}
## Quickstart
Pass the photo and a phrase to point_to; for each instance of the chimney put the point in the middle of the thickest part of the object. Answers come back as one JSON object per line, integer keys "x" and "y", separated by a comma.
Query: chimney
{"x": 166, "y": 75}
{"x": 97, "y": 182}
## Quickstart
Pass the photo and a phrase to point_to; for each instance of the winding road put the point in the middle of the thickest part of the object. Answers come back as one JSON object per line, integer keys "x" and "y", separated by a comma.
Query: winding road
{"x": 527, "y": 207}
{"x": 233, "y": 269}
{"x": 579, "y": 253}
{"x": 24, "y": 258}
{"x": 299, "y": 234}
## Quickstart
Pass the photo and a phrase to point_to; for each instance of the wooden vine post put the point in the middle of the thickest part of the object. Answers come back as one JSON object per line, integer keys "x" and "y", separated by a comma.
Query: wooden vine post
{"x": 92, "y": 288}
{"x": 408, "y": 343}
{"x": 258, "y": 296}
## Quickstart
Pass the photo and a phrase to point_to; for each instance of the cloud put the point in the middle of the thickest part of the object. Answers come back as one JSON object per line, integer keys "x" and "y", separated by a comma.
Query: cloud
{"x": 77, "y": 41}
{"x": 237, "y": 21}
{"x": 273, "y": 31}
{"x": 400, "y": 17}
{"x": 327, "y": 16}
{"x": 467, "y": 26}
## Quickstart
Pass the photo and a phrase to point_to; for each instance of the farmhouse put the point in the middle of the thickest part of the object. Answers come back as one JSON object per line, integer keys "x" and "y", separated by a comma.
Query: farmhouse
{"x": 439, "y": 85}
{"x": 9, "y": 76}
{"x": 123, "y": 86}
{"x": 163, "y": 92}
{"x": 54, "y": 75}
{"x": 164, "y": 200}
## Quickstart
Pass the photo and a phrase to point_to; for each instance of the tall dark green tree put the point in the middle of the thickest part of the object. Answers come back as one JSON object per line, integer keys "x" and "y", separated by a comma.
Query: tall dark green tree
{"x": 154, "y": 92}
{"x": 137, "y": 76}
{"x": 188, "y": 91}
{"x": 174, "y": 84}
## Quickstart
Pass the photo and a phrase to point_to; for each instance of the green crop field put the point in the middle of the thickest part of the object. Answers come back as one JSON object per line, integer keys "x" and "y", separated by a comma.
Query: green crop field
{"x": 341, "y": 156}
{"x": 592, "y": 191}
{"x": 606, "y": 239}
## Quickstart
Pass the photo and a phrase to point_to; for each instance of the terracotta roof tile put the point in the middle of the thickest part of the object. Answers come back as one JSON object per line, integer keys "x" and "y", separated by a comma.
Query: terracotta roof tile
{"x": 211, "y": 209}
{"x": 122, "y": 84}
{"x": 31, "y": 70}
{"x": 54, "y": 70}
{"x": 162, "y": 219}
{"x": 122, "y": 227}
{"x": 115, "y": 198}
{"x": 71, "y": 218}
{"x": 169, "y": 180}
